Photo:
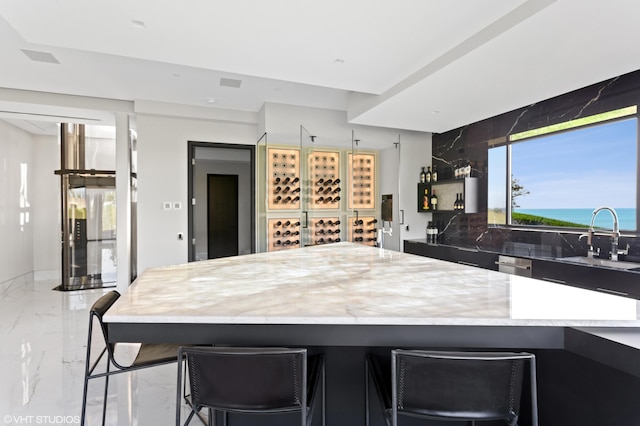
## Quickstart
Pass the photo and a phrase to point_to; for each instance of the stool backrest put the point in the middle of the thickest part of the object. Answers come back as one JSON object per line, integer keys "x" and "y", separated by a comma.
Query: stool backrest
{"x": 458, "y": 385}
{"x": 248, "y": 379}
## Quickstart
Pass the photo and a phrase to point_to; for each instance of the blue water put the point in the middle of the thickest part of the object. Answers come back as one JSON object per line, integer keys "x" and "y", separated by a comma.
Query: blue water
{"x": 627, "y": 217}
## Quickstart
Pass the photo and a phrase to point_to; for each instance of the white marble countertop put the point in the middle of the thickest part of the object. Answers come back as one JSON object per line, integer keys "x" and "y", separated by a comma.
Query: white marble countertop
{"x": 347, "y": 283}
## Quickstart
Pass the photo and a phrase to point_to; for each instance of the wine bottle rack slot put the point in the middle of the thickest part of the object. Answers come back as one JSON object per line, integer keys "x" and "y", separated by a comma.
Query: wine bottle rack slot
{"x": 363, "y": 230}
{"x": 283, "y": 186}
{"x": 363, "y": 172}
{"x": 325, "y": 230}
{"x": 324, "y": 175}
{"x": 284, "y": 233}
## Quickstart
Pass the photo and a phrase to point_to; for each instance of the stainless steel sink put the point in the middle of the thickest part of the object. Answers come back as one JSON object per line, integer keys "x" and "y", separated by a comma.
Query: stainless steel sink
{"x": 600, "y": 262}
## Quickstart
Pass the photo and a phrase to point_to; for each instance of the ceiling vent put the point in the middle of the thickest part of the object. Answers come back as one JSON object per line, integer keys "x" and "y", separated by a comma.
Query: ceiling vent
{"x": 230, "y": 82}
{"x": 38, "y": 56}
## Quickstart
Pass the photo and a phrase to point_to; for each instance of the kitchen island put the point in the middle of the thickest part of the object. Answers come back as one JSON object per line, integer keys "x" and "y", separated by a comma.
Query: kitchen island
{"x": 346, "y": 299}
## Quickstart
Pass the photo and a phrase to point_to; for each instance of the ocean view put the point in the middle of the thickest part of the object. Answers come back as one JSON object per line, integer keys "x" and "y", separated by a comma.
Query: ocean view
{"x": 627, "y": 217}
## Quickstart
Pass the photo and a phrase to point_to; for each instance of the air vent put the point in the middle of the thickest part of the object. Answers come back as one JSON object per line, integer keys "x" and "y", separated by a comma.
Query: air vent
{"x": 230, "y": 82}
{"x": 38, "y": 56}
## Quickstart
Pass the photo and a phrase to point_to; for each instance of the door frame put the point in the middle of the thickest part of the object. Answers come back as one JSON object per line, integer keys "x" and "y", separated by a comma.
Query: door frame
{"x": 192, "y": 145}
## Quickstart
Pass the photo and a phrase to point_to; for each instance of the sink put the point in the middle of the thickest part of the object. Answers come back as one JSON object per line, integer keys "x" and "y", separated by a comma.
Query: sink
{"x": 601, "y": 262}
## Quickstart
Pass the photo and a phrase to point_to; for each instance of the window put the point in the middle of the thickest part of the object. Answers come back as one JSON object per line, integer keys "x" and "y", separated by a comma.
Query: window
{"x": 557, "y": 175}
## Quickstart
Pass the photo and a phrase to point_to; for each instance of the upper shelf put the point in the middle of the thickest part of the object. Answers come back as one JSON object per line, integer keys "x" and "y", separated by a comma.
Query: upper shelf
{"x": 446, "y": 192}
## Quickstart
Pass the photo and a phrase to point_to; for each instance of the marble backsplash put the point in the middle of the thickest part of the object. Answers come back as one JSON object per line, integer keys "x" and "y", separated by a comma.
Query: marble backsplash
{"x": 470, "y": 144}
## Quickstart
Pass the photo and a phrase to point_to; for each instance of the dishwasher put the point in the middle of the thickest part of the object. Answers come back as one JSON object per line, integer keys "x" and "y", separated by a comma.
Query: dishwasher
{"x": 514, "y": 266}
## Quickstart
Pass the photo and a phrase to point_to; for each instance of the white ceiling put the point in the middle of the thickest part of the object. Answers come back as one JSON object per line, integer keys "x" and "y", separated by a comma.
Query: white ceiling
{"x": 430, "y": 65}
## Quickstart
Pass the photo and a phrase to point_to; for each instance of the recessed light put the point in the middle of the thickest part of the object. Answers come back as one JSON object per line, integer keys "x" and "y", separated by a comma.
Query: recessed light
{"x": 435, "y": 112}
{"x": 339, "y": 61}
{"x": 211, "y": 101}
{"x": 138, "y": 24}
{"x": 176, "y": 75}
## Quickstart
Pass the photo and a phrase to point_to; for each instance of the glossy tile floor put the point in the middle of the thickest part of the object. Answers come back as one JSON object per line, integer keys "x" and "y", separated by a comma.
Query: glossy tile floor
{"x": 43, "y": 338}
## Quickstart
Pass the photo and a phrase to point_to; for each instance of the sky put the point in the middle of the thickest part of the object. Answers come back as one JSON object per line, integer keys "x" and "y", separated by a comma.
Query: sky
{"x": 583, "y": 168}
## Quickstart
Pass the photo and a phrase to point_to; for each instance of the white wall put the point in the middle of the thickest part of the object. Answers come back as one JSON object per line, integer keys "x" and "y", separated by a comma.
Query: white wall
{"x": 415, "y": 153}
{"x": 47, "y": 254}
{"x": 16, "y": 211}
{"x": 163, "y": 176}
{"x": 400, "y": 171}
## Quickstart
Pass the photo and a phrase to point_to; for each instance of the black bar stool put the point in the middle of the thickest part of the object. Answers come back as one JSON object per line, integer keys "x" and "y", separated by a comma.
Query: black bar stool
{"x": 251, "y": 380}
{"x": 472, "y": 386}
{"x": 148, "y": 355}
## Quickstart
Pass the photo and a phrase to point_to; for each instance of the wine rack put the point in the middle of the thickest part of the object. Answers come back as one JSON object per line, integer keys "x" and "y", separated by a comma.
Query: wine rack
{"x": 363, "y": 229}
{"x": 324, "y": 175}
{"x": 325, "y": 230}
{"x": 283, "y": 175}
{"x": 284, "y": 233}
{"x": 363, "y": 171}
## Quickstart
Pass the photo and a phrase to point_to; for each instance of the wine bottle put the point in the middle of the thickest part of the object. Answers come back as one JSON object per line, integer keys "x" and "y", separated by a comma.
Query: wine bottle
{"x": 358, "y": 239}
{"x": 296, "y": 223}
{"x": 286, "y": 243}
{"x": 336, "y": 181}
{"x": 358, "y": 231}
{"x": 335, "y": 191}
{"x": 277, "y": 243}
{"x": 425, "y": 200}
{"x": 461, "y": 204}
{"x": 434, "y": 200}
{"x": 456, "y": 204}
{"x": 278, "y": 198}
{"x": 320, "y": 190}
{"x": 320, "y": 241}
{"x": 295, "y": 199}
{"x": 276, "y": 181}
{"x": 427, "y": 178}
{"x": 328, "y": 190}
{"x": 295, "y": 180}
{"x": 277, "y": 233}
{"x": 336, "y": 199}
{"x": 287, "y": 223}
{"x": 278, "y": 189}
{"x": 423, "y": 176}
{"x": 358, "y": 222}
{"x": 371, "y": 222}
{"x": 337, "y": 222}
{"x": 286, "y": 200}
{"x": 296, "y": 190}
{"x": 286, "y": 189}
{"x": 278, "y": 223}
{"x": 296, "y": 242}
{"x": 286, "y": 180}
{"x": 320, "y": 232}
{"x": 320, "y": 182}
{"x": 434, "y": 174}
{"x": 295, "y": 233}
{"x": 328, "y": 200}
{"x": 328, "y": 182}
{"x": 320, "y": 222}
{"x": 337, "y": 240}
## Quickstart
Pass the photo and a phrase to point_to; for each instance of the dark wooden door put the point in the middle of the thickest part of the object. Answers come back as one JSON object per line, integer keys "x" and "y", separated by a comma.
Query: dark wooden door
{"x": 222, "y": 215}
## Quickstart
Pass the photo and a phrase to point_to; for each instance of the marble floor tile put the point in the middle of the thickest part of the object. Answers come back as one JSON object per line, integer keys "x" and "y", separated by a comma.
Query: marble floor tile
{"x": 43, "y": 335}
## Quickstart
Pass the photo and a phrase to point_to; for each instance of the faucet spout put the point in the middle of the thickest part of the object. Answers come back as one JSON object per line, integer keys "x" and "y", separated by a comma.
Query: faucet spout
{"x": 615, "y": 232}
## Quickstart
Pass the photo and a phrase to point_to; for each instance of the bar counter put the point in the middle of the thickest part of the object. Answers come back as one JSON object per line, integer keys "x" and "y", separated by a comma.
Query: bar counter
{"x": 346, "y": 299}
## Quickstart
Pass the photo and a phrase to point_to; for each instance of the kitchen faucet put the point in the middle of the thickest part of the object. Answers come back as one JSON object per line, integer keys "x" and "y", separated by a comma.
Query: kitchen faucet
{"x": 615, "y": 233}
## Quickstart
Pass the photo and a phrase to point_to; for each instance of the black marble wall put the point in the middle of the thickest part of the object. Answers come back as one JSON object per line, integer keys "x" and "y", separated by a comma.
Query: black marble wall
{"x": 471, "y": 143}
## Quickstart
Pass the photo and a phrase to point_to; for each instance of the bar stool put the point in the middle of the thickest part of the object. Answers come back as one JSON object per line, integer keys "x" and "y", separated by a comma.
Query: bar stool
{"x": 148, "y": 355}
{"x": 471, "y": 386}
{"x": 251, "y": 380}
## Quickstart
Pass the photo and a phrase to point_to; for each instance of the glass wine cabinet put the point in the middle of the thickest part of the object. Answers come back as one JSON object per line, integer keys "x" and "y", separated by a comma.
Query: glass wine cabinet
{"x": 313, "y": 195}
